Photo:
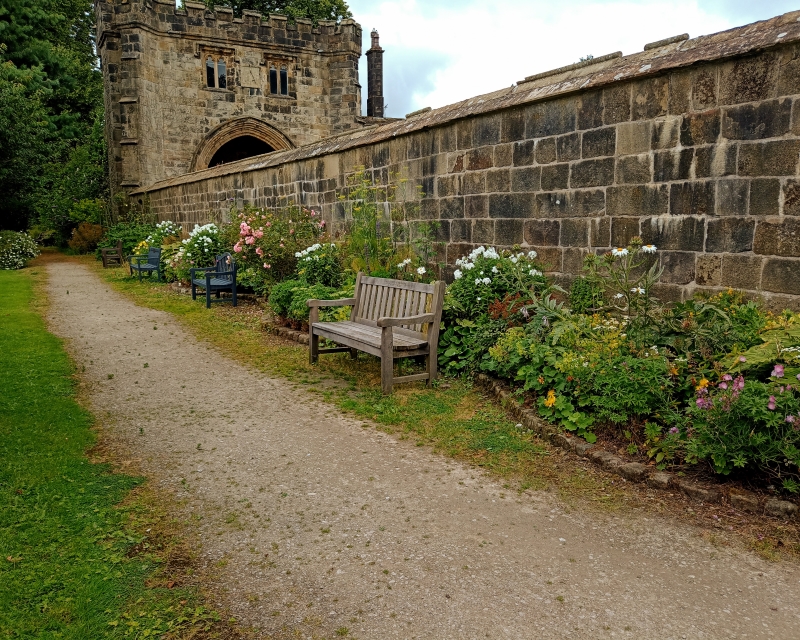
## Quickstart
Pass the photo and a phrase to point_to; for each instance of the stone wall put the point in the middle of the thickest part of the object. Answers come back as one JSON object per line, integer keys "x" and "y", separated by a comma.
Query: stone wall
{"x": 692, "y": 145}
{"x": 161, "y": 117}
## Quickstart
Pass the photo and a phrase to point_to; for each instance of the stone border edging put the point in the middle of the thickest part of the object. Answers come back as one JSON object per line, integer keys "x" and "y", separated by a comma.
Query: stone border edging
{"x": 630, "y": 471}
{"x": 633, "y": 471}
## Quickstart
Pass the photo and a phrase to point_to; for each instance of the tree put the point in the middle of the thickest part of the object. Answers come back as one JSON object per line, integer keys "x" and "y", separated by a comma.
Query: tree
{"x": 316, "y": 10}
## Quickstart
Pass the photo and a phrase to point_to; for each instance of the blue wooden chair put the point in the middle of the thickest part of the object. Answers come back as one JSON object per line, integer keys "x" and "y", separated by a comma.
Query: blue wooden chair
{"x": 146, "y": 263}
{"x": 220, "y": 277}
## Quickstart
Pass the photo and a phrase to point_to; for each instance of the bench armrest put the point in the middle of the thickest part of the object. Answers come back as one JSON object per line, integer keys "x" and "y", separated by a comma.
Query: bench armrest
{"x": 396, "y": 322}
{"x": 342, "y": 302}
{"x": 138, "y": 258}
{"x": 194, "y": 270}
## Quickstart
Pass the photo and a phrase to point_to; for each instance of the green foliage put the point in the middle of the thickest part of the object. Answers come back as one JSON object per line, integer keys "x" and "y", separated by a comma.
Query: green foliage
{"x": 464, "y": 343}
{"x": 85, "y": 237}
{"x": 558, "y": 409}
{"x": 320, "y": 264}
{"x": 748, "y": 424}
{"x": 299, "y": 310}
{"x": 131, "y": 234}
{"x": 16, "y": 249}
{"x": 585, "y": 296}
{"x": 67, "y": 570}
{"x": 199, "y": 250}
{"x": 280, "y": 297}
{"x": 315, "y": 10}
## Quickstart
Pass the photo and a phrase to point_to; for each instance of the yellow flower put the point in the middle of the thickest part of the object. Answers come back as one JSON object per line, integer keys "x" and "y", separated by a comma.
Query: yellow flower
{"x": 702, "y": 384}
{"x": 551, "y": 398}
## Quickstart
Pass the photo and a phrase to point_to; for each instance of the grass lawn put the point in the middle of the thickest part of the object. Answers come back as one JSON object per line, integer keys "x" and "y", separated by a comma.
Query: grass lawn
{"x": 73, "y": 562}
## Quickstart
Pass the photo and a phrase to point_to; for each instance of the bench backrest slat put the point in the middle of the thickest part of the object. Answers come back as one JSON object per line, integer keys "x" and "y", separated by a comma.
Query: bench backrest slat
{"x": 383, "y": 298}
{"x": 225, "y": 266}
{"x": 154, "y": 256}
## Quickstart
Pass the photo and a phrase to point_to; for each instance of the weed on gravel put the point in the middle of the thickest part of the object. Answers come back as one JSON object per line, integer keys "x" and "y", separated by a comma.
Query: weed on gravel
{"x": 82, "y": 554}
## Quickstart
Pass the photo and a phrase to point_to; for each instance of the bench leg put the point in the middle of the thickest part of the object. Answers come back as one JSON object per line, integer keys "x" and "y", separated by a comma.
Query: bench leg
{"x": 233, "y": 294}
{"x": 218, "y": 292}
{"x": 387, "y": 360}
{"x": 313, "y": 347}
{"x": 431, "y": 365}
{"x": 353, "y": 354}
{"x": 194, "y": 291}
{"x": 208, "y": 298}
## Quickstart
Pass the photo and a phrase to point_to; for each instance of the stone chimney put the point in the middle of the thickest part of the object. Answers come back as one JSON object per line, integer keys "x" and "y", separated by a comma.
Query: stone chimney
{"x": 375, "y": 78}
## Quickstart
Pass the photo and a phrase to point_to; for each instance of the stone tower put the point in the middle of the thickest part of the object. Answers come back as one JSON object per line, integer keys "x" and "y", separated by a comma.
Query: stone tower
{"x": 375, "y": 78}
{"x": 187, "y": 89}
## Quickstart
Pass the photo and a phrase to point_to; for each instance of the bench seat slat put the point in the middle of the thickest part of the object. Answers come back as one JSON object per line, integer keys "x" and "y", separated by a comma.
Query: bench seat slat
{"x": 366, "y": 334}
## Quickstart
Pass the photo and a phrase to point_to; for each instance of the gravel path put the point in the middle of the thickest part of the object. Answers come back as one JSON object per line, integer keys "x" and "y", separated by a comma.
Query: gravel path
{"x": 315, "y": 524}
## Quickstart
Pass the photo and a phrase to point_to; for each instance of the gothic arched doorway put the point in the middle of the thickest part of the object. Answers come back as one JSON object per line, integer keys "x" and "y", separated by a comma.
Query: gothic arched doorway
{"x": 236, "y": 140}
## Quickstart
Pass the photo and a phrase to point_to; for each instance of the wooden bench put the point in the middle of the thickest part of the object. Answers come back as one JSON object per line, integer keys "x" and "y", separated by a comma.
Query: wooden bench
{"x": 146, "y": 263}
{"x": 112, "y": 255}
{"x": 390, "y": 319}
{"x": 220, "y": 277}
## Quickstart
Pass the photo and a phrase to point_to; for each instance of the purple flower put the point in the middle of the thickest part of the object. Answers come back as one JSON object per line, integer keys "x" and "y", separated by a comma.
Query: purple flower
{"x": 738, "y": 384}
{"x": 676, "y": 430}
{"x": 798, "y": 376}
{"x": 777, "y": 372}
{"x": 704, "y": 403}
{"x": 771, "y": 403}
{"x": 790, "y": 419}
{"x": 742, "y": 359}
{"x": 727, "y": 377}
{"x": 723, "y": 385}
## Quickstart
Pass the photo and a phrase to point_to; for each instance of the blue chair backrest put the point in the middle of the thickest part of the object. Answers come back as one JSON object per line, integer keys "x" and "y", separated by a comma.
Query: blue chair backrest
{"x": 226, "y": 266}
{"x": 154, "y": 256}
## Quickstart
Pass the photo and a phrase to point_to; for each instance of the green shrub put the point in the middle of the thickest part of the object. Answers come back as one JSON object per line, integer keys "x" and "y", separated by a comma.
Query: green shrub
{"x": 320, "y": 264}
{"x": 299, "y": 310}
{"x": 280, "y": 297}
{"x": 464, "y": 343}
{"x": 16, "y": 249}
{"x": 85, "y": 237}
{"x": 585, "y": 296}
{"x": 131, "y": 234}
{"x": 200, "y": 249}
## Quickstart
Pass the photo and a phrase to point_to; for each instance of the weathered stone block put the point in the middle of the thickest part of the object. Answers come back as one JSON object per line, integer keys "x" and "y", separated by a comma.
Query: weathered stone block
{"x": 778, "y": 237}
{"x": 499, "y": 180}
{"x": 730, "y": 235}
{"x": 708, "y": 269}
{"x": 600, "y": 142}
{"x": 617, "y": 104}
{"x": 592, "y": 173}
{"x": 672, "y": 165}
{"x": 523, "y": 153}
{"x": 600, "y": 232}
{"x": 666, "y": 132}
{"x": 542, "y": 232}
{"x": 448, "y": 186}
{"x": 574, "y": 232}
{"x": 778, "y": 158}
{"x": 769, "y": 119}
{"x": 508, "y": 232}
{"x": 526, "y": 179}
{"x": 605, "y": 459}
{"x": 741, "y": 272}
{"x": 650, "y": 98}
{"x": 622, "y": 230}
{"x": 780, "y": 276}
{"x": 451, "y": 208}
{"x": 715, "y": 160}
{"x": 680, "y": 91}
{"x": 639, "y": 200}
{"x": 480, "y": 158}
{"x": 553, "y": 205}
{"x": 683, "y": 233}
{"x": 705, "y": 88}
{"x": 744, "y": 501}
{"x": 589, "y": 202}
{"x": 634, "y": 471}
{"x": 572, "y": 260}
{"x": 551, "y": 258}
{"x": 765, "y": 195}
{"x": 476, "y": 206}
{"x": 660, "y": 480}
{"x": 518, "y": 205}
{"x": 460, "y": 230}
{"x": 465, "y": 131}
{"x": 590, "y": 110}
{"x": 568, "y": 147}
{"x": 679, "y": 267}
{"x": 692, "y": 198}
{"x": 633, "y": 169}
{"x": 700, "y": 128}
{"x": 748, "y": 79}
{"x": 504, "y": 155}
{"x": 512, "y": 125}
{"x": 550, "y": 118}
{"x": 554, "y": 176}
{"x": 487, "y": 129}
{"x": 633, "y": 138}
{"x": 791, "y": 198}
{"x": 780, "y": 508}
{"x": 732, "y": 197}
{"x": 546, "y": 151}
{"x": 482, "y": 232}
{"x": 697, "y": 492}
{"x": 474, "y": 182}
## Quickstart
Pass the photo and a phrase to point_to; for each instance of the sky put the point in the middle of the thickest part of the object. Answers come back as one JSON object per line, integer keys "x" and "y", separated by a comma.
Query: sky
{"x": 438, "y": 52}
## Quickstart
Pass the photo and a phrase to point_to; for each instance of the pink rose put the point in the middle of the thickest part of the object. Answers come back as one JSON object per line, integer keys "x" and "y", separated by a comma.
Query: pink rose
{"x": 250, "y": 240}
{"x": 237, "y": 247}
{"x": 259, "y": 251}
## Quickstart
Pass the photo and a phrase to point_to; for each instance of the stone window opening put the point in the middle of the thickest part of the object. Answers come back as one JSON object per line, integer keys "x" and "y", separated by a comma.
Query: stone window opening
{"x": 278, "y": 80}
{"x": 216, "y": 73}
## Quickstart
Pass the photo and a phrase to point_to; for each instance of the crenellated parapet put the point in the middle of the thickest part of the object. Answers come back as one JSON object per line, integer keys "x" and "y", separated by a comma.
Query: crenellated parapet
{"x": 197, "y": 22}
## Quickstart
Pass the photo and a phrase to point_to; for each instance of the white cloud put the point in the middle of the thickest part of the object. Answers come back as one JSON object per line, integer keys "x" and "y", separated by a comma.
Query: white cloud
{"x": 440, "y": 52}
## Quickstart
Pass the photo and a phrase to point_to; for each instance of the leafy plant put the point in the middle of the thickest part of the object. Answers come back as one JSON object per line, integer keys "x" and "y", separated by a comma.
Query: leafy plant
{"x": 320, "y": 264}
{"x": 558, "y": 409}
{"x": 200, "y": 249}
{"x": 16, "y": 249}
{"x": 130, "y": 233}
{"x": 85, "y": 237}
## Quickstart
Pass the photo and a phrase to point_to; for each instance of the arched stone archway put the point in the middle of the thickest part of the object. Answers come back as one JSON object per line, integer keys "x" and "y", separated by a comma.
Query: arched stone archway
{"x": 237, "y": 139}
